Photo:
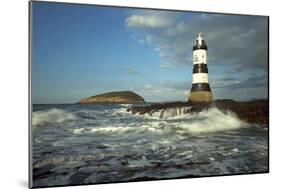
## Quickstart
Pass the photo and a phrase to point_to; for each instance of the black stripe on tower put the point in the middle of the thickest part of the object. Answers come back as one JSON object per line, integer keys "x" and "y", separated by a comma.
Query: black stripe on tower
{"x": 200, "y": 87}
{"x": 202, "y": 46}
{"x": 200, "y": 68}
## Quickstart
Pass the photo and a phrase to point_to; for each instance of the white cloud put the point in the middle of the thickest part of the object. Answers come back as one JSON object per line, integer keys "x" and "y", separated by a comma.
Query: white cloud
{"x": 148, "y": 21}
{"x": 164, "y": 91}
{"x": 141, "y": 41}
{"x": 148, "y": 39}
{"x": 132, "y": 71}
{"x": 147, "y": 86}
{"x": 167, "y": 66}
{"x": 186, "y": 92}
{"x": 232, "y": 39}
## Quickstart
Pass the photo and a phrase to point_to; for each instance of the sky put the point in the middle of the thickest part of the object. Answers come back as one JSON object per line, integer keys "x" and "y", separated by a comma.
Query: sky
{"x": 84, "y": 50}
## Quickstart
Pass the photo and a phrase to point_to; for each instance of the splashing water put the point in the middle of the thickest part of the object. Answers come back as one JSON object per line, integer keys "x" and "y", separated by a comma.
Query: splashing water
{"x": 78, "y": 144}
{"x": 51, "y": 116}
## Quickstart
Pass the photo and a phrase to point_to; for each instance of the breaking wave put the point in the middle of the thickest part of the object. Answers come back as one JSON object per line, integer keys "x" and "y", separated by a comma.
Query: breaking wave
{"x": 125, "y": 105}
{"x": 105, "y": 143}
{"x": 120, "y": 111}
{"x": 206, "y": 121}
{"x": 52, "y": 116}
{"x": 172, "y": 121}
{"x": 212, "y": 120}
{"x": 170, "y": 113}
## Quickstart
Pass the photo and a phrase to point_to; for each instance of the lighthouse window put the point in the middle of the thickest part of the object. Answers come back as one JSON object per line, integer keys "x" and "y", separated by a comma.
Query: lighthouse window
{"x": 195, "y": 58}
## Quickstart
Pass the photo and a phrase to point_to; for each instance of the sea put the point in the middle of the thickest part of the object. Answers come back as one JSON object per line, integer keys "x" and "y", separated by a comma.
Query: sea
{"x": 75, "y": 144}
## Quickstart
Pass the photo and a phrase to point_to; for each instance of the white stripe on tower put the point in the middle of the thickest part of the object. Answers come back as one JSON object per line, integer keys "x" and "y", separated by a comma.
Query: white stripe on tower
{"x": 200, "y": 78}
{"x": 200, "y": 56}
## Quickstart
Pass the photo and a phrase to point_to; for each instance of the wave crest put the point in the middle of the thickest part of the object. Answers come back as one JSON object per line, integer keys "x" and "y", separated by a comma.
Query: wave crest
{"x": 207, "y": 121}
{"x": 170, "y": 113}
{"x": 52, "y": 116}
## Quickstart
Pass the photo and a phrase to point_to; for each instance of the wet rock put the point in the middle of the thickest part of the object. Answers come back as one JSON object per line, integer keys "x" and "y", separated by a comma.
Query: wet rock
{"x": 125, "y": 163}
{"x": 101, "y": 147}
{"x": 42, "y": 172}
{"x": 256, "y": 112}
{"x": 145, "y": 178}
{"x": 78, "y": 178}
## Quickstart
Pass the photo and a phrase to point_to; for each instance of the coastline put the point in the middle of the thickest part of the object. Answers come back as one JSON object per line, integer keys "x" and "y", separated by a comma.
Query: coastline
{"x": 255, "y": 112}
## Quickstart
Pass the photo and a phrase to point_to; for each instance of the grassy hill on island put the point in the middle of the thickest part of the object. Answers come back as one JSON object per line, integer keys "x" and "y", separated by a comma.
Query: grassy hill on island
{"x": 127, "y": 97}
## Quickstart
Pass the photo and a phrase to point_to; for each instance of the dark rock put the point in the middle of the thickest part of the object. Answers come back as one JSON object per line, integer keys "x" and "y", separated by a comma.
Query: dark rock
{"x": 101, "y": 147}
{"x": 252, "y": 112}
{"x": 144, "y": 178}
{"x": 256, "y": 111}
{"x": 78, "y": 178}
{"x": 42, "y": 172}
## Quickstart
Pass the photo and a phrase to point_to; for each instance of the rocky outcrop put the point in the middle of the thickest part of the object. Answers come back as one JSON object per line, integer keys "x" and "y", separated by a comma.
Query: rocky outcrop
{"x": 117, "y": 97}
{"x": 252, "y": 112}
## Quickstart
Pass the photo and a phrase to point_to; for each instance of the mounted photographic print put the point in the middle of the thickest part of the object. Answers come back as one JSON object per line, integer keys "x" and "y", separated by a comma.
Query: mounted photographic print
{"x": 124, "y": 94}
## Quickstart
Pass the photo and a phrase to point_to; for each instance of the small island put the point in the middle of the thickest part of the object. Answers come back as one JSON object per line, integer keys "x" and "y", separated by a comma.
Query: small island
{"x": 116, "y": 97}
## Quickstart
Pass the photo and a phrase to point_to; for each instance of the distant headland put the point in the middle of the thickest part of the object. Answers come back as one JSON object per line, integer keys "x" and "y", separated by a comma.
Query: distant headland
{"x": 116, "y": 97}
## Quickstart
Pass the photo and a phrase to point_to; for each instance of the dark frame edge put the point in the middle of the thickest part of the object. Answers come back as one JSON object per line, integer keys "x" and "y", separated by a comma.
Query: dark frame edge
{"x": 30, "y": 172}
{"x": 268, "y": 93}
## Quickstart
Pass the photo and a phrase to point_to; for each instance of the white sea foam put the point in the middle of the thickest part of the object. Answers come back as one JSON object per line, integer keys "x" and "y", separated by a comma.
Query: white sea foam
{"x": 66, "y": 160}
{"x": 104, "y": 141}
{"x": 52, "y": 116}
{"x": 172, "y": 122}
{"x": 171, "y": 113}
{"x": 125, "y": 129}
{"x": 207, "y": 121}
{"x": 120, "y": 111}
{"x": 212, "y": 120}
{"x": 140, "y": 163}
{"x": 108, "y": 130}
{"x": 78, "y": 131}
{"x": 125, "y": 105}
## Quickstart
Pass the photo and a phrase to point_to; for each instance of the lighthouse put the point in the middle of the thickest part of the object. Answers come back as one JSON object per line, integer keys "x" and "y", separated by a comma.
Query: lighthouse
{"x": 200, "y": 90}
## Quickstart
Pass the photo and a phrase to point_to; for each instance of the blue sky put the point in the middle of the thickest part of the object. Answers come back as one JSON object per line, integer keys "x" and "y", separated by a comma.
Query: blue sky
{"x": 80, "y": 51}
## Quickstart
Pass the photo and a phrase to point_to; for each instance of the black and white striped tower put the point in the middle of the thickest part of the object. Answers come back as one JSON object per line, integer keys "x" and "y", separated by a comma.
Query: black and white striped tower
{"x": 200, "y": 91}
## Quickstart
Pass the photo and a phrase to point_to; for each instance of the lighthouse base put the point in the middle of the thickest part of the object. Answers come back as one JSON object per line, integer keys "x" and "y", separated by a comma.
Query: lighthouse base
{"x": 201, "y": 96}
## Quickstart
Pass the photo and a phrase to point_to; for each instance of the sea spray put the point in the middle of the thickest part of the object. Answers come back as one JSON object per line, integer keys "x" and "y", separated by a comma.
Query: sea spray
{"x": 53, "y": 115}
{"x": 170, "y": 113}
{"x": 99, "y": 141}
{"x": 170, "y": 122}
{"x": 211, "y": 120}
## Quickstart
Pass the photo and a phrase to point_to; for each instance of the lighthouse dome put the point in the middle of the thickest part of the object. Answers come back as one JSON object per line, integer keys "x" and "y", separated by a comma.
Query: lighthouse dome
{"x": 200, "y": 42}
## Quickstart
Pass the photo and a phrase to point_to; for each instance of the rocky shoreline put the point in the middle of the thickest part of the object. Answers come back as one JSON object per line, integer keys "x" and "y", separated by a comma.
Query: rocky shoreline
{"x": 256, "y": 111}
